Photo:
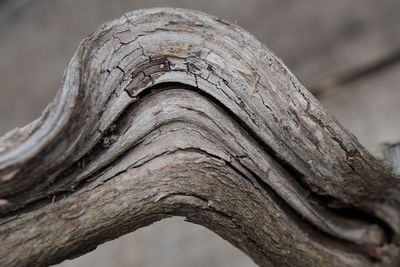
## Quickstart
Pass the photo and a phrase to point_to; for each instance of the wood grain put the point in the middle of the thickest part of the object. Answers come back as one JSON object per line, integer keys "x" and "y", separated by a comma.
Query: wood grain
{"x": 173, "y": 112}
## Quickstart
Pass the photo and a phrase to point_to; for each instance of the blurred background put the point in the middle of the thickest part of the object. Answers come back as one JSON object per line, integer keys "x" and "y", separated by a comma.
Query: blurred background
{"x": 346, "y": 52}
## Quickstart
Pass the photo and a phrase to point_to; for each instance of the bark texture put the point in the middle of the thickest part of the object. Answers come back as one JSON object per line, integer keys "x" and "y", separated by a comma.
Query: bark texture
{"x": 168, "y": 112}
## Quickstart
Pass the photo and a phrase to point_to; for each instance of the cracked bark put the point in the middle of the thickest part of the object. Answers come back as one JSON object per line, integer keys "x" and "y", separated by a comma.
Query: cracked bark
{"x": 168, "y": 112}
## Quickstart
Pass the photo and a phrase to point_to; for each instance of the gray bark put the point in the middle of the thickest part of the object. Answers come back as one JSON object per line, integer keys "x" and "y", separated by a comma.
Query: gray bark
{"x": 168, "y": 112}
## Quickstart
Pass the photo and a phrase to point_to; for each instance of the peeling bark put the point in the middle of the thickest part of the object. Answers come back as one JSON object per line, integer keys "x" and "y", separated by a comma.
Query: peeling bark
{"x": 168, "y": 112}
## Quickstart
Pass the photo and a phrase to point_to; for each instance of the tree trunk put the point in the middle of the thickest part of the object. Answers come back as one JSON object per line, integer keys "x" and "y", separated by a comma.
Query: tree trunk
{"x": 168, "y": 112}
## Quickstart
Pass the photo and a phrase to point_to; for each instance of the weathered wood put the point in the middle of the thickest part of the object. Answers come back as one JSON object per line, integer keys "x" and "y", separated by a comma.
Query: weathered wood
{"x": 172, "y": 112}
{"x": 316, "y": 39}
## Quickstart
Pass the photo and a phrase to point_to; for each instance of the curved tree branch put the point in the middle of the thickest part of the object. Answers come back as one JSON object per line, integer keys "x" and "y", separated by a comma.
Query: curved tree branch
{"x": 173, "y": 112}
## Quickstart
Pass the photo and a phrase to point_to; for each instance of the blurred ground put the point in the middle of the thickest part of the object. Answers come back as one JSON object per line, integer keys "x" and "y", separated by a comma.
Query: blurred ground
{"x": 316, "y": 39}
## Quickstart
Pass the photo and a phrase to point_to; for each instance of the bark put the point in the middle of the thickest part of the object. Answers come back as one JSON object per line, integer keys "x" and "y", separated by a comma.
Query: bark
{"x": 168, "y": 112}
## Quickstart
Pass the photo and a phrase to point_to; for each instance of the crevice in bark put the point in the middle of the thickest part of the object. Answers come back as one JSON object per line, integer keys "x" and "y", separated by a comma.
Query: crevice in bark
{"x": 344, "y": 212}
{"x": 318, "y": 234}
{"x": 248, "y": 137}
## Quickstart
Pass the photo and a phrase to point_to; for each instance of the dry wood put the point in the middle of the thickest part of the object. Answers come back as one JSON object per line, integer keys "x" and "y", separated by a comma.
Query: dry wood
{"x": 168, "y": 112}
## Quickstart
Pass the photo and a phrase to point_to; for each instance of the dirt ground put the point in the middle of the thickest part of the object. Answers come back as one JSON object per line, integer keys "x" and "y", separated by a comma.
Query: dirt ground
{"x": 316, "y": 39}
